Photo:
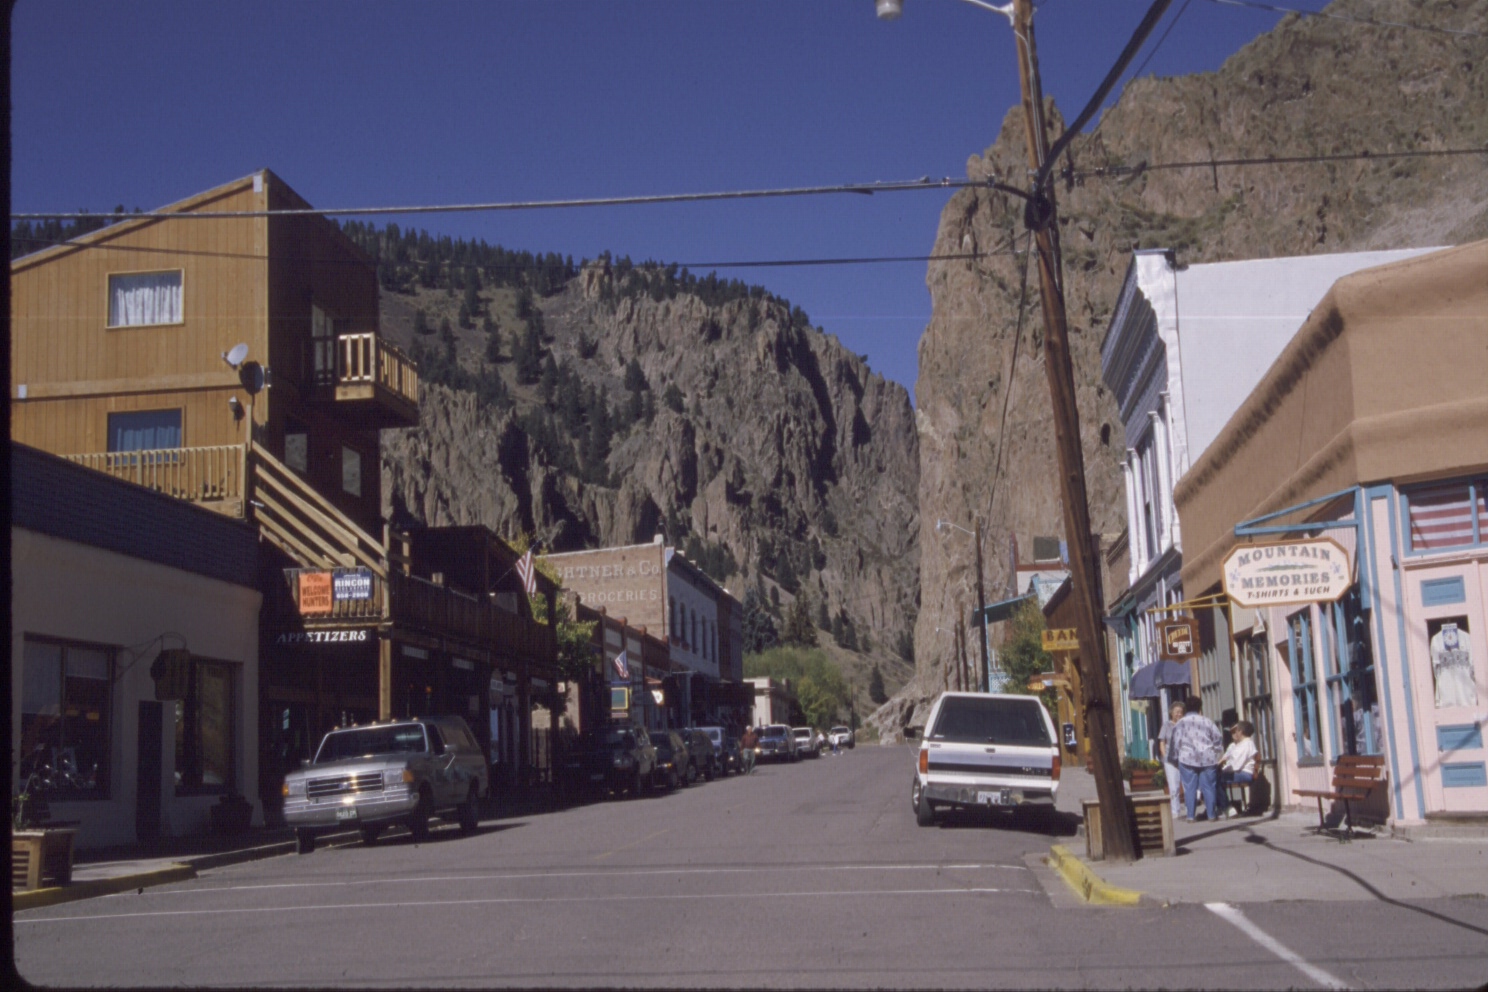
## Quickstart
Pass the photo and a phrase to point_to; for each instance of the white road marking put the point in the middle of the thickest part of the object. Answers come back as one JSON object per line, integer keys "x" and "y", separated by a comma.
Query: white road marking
{"x": 520, "y": 900}
{"x": 794, "y": 869}
{"x": 1231, "y": 914}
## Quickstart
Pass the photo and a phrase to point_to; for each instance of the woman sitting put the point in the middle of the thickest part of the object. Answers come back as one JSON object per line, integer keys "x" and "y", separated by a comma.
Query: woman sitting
{"x": 1238, "y": 766}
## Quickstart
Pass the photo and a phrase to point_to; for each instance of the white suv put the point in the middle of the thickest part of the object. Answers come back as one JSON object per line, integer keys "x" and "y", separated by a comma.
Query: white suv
{"x": 987, "y": 750}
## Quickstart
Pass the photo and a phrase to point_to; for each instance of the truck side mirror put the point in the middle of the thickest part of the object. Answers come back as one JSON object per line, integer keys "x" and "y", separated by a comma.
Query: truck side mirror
{"x": 910, "y": 733}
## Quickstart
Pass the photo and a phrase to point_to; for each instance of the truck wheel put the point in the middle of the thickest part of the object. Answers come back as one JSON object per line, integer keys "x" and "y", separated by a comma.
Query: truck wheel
{"x": 470, "y": 811}
{"x": 370, "y": 834}
{"x": 418, "y": 820}
{"x": 924, "y": 814}
{"x": 304, "y": 842}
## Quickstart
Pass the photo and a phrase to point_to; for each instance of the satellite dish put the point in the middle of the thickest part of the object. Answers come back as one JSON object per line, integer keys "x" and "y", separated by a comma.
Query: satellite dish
{"x": 236, "y": 355}
{"x": 251, "y": 375}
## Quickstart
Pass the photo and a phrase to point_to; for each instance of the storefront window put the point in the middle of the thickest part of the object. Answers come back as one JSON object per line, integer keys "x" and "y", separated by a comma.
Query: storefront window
{"x": 1451, "y": 662}
{"x": 1446, "y": 515}
{"x": 1304, "y": 687}
{"x": 1350, "y": 678}
{"x": 204, "y": 730}
{"x": 1255, "y": 690}
{"x": 65, "y": 719}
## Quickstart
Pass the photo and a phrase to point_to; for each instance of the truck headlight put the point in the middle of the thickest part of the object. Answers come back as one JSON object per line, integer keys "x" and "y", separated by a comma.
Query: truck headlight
{"x": 397, "y": 777}
{"x": 294, "y": 788}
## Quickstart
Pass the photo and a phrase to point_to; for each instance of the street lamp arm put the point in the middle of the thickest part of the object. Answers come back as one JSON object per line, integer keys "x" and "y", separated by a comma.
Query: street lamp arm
{"x": 1154, "y": 14}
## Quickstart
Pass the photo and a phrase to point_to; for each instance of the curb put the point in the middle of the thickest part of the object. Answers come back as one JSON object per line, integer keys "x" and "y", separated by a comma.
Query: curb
{"x": 37, "y": 898}
{"x": 1087, "y": 884}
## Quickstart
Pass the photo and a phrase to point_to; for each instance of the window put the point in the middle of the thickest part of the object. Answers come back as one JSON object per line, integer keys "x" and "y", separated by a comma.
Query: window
{"x": 140, "y": 299}
{"x": 297, "y": 451}
{"x": 672, "y": 611}
{"x": 351, "y": 471}
{"x": 204, "y": 730}
{"x": 1447, "y": 515}
{"x": 1350, "y": 677}
{"x": 144, "y": 430}
{"x": 65, "y": 718}
{"x": 1304, "y": 687}
{"x": 1255, "y": 694}
{"x": 1147, "y": 495}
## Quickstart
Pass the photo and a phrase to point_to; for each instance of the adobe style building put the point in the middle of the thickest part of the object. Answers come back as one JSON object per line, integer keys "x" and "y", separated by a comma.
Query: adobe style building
{"x": 229, "y": 356}
{"x": 1366, "y": 437}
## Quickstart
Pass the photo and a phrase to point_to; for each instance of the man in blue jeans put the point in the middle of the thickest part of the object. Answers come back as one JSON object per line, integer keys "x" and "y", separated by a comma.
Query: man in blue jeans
{"x": 1197, "y": 746}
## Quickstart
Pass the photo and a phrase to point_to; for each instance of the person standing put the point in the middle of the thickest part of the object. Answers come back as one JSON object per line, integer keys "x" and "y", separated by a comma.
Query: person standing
{"x": 747, "y": 744}
{"x": 1197, "y": 745}
{"x": 1166, "y": 755}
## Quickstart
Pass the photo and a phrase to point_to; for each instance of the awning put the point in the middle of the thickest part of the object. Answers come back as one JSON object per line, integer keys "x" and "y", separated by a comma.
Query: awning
{"x": 997, "y": 612}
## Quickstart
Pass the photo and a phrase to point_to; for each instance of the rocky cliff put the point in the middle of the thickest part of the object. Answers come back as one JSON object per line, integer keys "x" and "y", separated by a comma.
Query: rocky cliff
{"x": 1312, "y": 87}
{"x": 714, "y": 413}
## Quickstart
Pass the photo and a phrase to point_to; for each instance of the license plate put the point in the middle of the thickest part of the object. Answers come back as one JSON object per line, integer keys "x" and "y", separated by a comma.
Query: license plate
{"x": 1001, "y": 797}
{"x": 346, "y": 813}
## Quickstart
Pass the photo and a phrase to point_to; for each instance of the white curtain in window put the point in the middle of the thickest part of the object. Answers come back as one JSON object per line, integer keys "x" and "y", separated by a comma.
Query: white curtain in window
{"x": 145, "y": 298}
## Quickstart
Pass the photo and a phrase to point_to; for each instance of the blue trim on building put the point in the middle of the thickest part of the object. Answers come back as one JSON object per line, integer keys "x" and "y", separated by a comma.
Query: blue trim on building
{"x": 1459, "y": 737}
{"x": 1410, "y": 704}
{"x": 52, "y": 496}
{"x": 1381, "y": 656}
{"x": 1465, "y": 775}
{"x": 1443, "y": 592}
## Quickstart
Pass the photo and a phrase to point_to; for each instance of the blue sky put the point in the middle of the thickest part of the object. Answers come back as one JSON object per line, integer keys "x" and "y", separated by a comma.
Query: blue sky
{"x": 384, "y": 103}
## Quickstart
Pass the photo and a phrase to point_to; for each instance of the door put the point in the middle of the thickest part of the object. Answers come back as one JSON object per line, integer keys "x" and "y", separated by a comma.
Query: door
{"x": 147, "y": 770}
{"x": 1448, "y": 637}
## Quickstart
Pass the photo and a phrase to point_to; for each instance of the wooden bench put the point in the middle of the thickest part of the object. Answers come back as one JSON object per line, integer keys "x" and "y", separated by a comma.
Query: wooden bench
{"x": 1354, "y": 778}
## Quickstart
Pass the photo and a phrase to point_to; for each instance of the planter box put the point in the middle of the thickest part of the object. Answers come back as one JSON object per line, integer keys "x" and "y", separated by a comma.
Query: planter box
{"x": 1154, "y": 814}
{"x": 38, "y": 856}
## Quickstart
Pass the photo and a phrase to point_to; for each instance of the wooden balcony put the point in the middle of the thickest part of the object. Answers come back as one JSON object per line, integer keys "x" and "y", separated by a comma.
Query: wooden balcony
{"x": 211, "y": 476}
{"x": 421, "y": 604}
{"x": 368, "y": 380}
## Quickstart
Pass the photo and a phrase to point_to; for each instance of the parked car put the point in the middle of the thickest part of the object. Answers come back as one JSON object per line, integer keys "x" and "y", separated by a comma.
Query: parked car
{"x": 715, "y": 735}
{"x": 704, "y": 761}
{"x": 841, "y": 737}
{"x": 776, "y": 743}
{"x": 377, "y": 775}
{"x": 808, "y": 742}
{"x": 987, "y": 750}
{"x": 673, "y": 759}
{"x": 619, "y": 759}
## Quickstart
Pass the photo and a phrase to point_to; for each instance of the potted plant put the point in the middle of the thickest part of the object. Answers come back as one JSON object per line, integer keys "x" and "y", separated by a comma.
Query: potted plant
{"x": 39, "y": 849}
{"x": 1143, "y": 774}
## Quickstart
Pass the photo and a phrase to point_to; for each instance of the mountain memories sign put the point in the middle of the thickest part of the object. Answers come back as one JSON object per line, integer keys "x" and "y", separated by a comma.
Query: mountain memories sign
{"x": 1315, "y": 571}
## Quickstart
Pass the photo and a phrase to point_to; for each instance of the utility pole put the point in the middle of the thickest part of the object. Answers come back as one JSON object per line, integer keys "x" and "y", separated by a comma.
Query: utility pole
{"x": 1118, "y": 834}
{"x": 960, "y": 683}
{"x": 986, "y": 681}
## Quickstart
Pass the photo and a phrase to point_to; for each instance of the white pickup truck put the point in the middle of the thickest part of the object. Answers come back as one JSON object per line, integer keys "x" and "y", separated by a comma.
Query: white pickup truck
{"x": 987, "y": 750}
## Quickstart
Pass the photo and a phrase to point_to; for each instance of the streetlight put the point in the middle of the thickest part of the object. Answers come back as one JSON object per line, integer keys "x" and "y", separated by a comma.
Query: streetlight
{"x": 1039, "y": 217}
{"x": 941, "y": 526}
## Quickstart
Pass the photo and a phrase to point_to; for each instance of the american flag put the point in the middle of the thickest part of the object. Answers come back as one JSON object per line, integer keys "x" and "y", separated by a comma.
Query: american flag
{"x": 622, "y": 664}
{"x": 527, "y": 573}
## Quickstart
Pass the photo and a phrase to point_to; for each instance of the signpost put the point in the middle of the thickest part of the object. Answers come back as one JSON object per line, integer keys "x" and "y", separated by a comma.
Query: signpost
{"x": 1177, "y": 640}
{"x": 1312, "y": 571}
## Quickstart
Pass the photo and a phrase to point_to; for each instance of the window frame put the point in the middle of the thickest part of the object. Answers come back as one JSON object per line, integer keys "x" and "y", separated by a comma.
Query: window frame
{"x": 108, "y": 297}
{"x": 1257, "y": 699}
{"x": 229, "y": 785}
{"x": 1477, "y": 495}
{"x": 1340, "y": 676}
{"x": 180, "y": 413}
{"x": 1304, "y": 686}
{"x": 104, "y": 788}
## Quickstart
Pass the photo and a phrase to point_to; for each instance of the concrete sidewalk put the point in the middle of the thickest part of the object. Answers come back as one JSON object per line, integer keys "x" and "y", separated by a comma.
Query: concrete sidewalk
{"x": 1281, "y": 858}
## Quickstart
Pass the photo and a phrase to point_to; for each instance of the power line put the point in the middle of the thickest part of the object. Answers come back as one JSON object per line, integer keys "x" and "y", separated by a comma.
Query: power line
{"x": 1166, "y": 31}
{"x": 1279, "y": 9}
{"x": 1108, "y": 171}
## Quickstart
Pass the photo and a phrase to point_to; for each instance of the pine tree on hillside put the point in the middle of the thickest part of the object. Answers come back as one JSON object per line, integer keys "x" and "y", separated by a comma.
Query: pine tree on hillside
{"x": 759, "y": 629}
{"x": 421, "y": 322}
{"x": 823, "y": 616}
{"x": 876, "y": 687}
{"x": 798, "y": 626}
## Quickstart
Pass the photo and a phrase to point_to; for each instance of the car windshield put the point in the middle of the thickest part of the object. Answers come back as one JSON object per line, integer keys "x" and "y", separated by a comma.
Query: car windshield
{"x": 803, "y": 732}
{"x": 407, "y": 739}
{"x": 991, "y": 721}
{"x": 661, "y": 740}
{"x": 613, "y": 737}
{"x": 774, "y": 733}
{"x": 839, "y": 730}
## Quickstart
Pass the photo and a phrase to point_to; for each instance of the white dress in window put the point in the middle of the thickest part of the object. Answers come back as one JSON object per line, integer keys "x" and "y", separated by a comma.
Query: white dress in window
{"x": 1451, "y": 665}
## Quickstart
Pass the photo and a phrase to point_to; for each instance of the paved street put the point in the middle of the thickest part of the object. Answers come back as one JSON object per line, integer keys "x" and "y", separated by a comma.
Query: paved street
{"x": 800, "y": 875}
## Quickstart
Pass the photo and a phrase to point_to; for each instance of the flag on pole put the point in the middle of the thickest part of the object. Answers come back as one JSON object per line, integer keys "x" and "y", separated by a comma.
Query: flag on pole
{"x": 622, "y": 665}
{"x": 527, "y": 573}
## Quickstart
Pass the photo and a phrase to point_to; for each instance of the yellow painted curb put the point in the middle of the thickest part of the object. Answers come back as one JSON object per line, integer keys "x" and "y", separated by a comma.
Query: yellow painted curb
{"x": 37, "y": 898}
{"x": 1090, "y": 886}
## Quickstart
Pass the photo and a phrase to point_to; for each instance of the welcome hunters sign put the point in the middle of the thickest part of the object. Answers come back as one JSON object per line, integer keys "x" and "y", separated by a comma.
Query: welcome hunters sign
{"x": 1314, "y": 571}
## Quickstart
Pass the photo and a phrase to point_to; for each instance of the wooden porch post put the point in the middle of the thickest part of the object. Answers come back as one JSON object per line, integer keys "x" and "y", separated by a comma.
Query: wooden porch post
{"x": 384, "y": 675}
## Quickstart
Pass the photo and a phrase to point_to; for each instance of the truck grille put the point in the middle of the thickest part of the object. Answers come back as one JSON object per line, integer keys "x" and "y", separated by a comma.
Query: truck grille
{"x": 340, "y": 785}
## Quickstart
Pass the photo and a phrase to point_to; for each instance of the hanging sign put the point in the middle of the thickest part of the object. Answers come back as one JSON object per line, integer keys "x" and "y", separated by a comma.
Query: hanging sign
{"x": 315, "y": 593}
{"x": 1061, "y": 639}
{"x": 1313, "y": 571}
{"x": 1177, "y": 640}
{"x": 351, "y": 583}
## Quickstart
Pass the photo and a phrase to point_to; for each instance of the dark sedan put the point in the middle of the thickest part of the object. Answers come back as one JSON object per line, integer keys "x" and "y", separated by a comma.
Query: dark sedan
{"x": 673, "y": 760}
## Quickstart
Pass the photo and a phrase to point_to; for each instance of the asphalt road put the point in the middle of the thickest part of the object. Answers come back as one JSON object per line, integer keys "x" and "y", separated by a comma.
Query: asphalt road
{"x": 807, "y": 875}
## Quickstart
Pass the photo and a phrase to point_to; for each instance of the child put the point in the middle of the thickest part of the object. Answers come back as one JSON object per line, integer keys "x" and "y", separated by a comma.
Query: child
{"x": 1238, "y": 766}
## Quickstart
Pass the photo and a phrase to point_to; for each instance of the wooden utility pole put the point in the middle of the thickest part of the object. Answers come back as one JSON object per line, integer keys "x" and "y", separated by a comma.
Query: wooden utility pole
{"x": 1117, "y": 828}
{"x": 985, "y": 683}
{"x": 960, "y": 651}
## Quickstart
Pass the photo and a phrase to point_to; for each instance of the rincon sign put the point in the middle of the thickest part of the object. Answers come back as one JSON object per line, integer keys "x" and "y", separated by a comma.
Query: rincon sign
{"x": 1315, "y": 571}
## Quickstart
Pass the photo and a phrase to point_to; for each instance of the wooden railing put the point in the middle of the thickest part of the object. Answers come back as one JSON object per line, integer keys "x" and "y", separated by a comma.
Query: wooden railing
{"x": 367, "y": 358}
{"x": 198, "y": 475}
{"x": 421, "y": 603}
{"x": 342, "y": 610}
{"x": 306, "y": 525}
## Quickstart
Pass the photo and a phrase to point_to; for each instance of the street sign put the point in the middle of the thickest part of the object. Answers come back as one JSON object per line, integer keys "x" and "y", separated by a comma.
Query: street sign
{"x": 1177, "y": 640}
{"x": 1061, "y": 639}
{"x": 1314, "y": 571}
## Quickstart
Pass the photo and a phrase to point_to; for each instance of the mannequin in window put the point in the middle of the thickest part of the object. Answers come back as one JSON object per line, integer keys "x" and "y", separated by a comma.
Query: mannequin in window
{"x": 1451, "y": 666}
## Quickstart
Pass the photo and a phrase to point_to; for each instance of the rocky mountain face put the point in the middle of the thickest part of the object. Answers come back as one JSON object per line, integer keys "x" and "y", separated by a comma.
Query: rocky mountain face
{"x": 1312, "y": 87}
{"x": 760, "y": 444}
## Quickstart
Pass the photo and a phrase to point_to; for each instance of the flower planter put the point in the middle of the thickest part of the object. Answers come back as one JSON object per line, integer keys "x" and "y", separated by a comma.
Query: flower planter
{"x": 38, "y": 856}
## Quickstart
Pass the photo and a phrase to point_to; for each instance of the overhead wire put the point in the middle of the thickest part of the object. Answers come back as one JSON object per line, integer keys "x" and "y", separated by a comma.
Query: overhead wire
{"x": 1107, "y": 171}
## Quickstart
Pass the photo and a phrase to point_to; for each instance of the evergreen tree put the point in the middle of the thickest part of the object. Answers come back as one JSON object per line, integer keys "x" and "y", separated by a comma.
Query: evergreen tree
{"x": 446, "y": 332}
{"x": 421, "y": 322}
{"x": 905, "y": 647}
{"x": 547, "y": 383}
{"x": 798, "y": 626}
{"x": 635, "y": 379}
{"x": 837, "y": 629}
{"x": 493, "y": 343}
{"x": 849, "y": 633}
{"x": 785, "y": 574}
{"x": 672, "y": 397}
{"x": 471, "y": 302}
{"x": 759, "y": 629}
{"x": 823, "y": 617}
{"x": 876, "y": 687}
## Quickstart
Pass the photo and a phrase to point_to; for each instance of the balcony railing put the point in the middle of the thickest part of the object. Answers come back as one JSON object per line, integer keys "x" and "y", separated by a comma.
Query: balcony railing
{"x": 211, "y": 474}
{"x": 366, "y": 359}
{"x": 421, "y": 603}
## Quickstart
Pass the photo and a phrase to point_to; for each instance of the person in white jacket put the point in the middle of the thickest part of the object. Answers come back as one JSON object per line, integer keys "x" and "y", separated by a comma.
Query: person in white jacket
{"x": 1238, "y": 766}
